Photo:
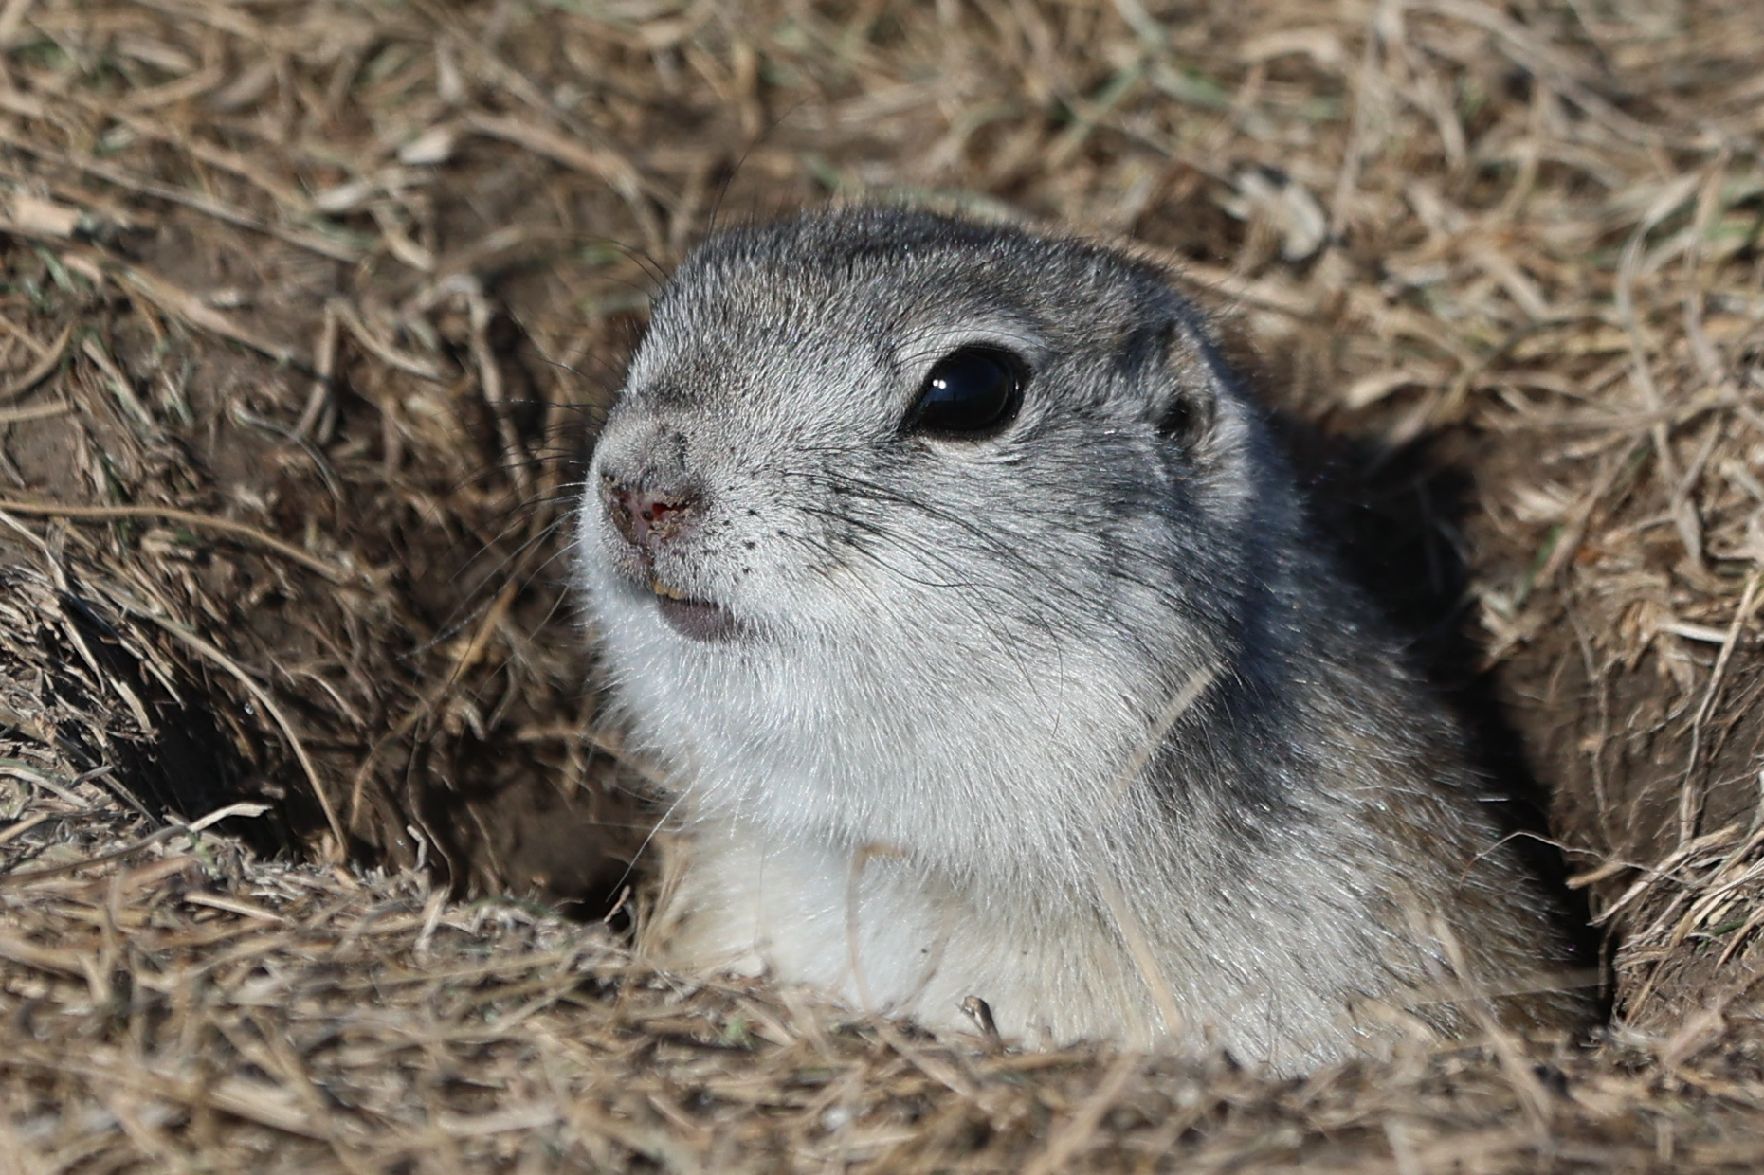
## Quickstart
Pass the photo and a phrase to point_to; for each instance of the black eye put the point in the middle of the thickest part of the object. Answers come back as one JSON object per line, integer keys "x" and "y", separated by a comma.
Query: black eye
{"x": 971, "y": 393}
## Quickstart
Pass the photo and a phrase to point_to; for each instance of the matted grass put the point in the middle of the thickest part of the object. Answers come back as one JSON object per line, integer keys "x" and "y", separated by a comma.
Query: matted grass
{"x": 306, "y": 307}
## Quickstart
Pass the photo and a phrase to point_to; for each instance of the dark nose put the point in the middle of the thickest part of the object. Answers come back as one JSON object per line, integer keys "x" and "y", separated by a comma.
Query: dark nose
{"x": 647, "y": 515}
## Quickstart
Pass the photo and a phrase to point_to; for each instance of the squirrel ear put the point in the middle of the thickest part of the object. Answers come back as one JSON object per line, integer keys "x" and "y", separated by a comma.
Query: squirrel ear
{"x": 1187, "y": 382}
{"x": 1187, "y": 414}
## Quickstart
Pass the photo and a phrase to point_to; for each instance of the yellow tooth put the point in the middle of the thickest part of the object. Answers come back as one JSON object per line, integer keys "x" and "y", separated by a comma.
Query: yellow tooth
{"x": 662, "y": 589}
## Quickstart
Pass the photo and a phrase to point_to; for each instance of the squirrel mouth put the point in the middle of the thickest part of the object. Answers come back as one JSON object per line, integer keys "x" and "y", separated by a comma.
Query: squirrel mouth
{"x": 700, "y": 620}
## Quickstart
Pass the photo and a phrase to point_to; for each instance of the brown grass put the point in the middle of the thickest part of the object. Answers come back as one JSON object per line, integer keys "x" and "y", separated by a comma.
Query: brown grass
{"x": 306, "y": 305}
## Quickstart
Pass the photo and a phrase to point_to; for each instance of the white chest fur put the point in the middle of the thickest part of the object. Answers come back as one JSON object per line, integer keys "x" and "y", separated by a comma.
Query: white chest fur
{"x": 882, "y": 937}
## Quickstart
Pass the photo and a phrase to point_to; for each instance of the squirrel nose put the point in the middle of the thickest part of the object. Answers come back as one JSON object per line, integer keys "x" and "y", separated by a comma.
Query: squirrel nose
{"x": 646, "y": 515}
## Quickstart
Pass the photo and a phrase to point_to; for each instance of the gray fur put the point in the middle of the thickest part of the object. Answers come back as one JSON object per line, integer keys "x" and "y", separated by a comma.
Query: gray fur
{"x": 1079, "y": 719}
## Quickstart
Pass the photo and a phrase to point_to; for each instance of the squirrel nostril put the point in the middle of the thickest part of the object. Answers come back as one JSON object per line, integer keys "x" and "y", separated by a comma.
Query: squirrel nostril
{"x": 656, "y": 509}
{"x": 646, "y": 515}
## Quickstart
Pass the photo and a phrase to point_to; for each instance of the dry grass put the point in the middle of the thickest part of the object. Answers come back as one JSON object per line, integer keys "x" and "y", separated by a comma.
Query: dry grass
{"x": 306, "y": 305}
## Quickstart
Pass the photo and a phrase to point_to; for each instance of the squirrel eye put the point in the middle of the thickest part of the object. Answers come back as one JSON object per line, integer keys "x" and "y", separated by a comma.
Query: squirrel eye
{"x": 971, "y": 393}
